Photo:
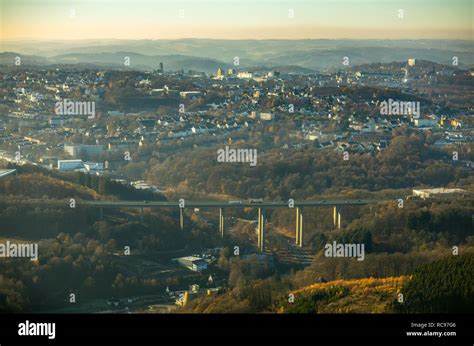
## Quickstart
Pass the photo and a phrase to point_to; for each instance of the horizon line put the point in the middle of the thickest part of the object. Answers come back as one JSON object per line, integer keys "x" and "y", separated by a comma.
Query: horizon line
{"x": 242, "y": 39}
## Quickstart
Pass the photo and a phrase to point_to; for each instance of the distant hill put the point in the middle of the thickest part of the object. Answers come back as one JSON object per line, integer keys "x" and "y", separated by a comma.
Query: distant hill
{"x": 207, "y": 54}
{"x": 396, "y": 66}
{"x": 116, "y": 61}
{"x": 8, "y": 58}
{"x": 143, "y": 62}
{"x": 283, "y": 69}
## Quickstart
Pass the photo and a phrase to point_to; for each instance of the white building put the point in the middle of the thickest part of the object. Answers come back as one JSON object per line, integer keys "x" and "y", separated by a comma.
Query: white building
{"x": 80, "y": 166}
{"x": 245, "y": 75}
{"x": 89, "y": 149}
{"x": 94, "y": 167}
{"x": 262, "y": 115}
{"x": 69, "y": 165}
{"x": 189, "y": 94}
{"x": 193, "y": 263}
{"x": 425, "y": 122}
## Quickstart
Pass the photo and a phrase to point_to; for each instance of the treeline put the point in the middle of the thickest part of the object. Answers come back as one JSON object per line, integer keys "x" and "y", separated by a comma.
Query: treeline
{"x": 417, "y": 226}
{"x": 308, "y": 173}
{"x": 21, "y": 219}
{"x": 67, "y": 264}
{"x": 38, "y": 182}
{"x": 253, "y": 286}
{"x": 78, "y": 253}
{"x": 368, "y": 295}
{"x": 88, "y": 259}
{"x": 430, "y": 283}
{"x": 374, "y": 265}
{"x": 444, "y": 286}
{"x": 457, "y": 222}
{"x": 259, "y": 296}
{"x": 43, "y": 186}
{"x": 383, "y": 228}
{"x": 105, "y": 186}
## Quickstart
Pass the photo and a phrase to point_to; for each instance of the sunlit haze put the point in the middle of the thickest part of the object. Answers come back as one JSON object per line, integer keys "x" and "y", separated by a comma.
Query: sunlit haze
{"x": 229, "y": 19}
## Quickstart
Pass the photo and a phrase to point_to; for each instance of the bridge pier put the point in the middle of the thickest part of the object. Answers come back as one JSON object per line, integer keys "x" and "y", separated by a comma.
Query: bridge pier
{"x": 299, "y": 226}
{"x": 181, "y": 218}
{"x": 261, "y": 230}
{"x": 141, "y": 215}
{"x": 221, "y": 222}
{"x": 337, "y": 217}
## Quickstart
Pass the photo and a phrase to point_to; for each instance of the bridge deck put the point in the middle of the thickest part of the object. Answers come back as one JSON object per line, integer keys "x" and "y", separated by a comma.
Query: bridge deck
{"x": 233, "y": 204}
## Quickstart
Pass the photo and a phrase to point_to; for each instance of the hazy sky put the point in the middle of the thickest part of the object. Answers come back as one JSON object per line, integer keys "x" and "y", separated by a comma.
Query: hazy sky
{"x": 235, "y": 19}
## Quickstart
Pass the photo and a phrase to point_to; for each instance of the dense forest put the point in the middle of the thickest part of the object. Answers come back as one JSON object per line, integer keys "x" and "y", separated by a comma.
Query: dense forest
{"x": 78, "y": 252}
{"x": 408, "y": 250}
{"x": 372, "y": 286}
{"x": 443, "y": 286}
{"x": 310, "y": 173}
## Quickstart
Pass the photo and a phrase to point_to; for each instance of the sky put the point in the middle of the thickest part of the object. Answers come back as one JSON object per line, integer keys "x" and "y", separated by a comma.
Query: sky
{"x": 236, "y": 19}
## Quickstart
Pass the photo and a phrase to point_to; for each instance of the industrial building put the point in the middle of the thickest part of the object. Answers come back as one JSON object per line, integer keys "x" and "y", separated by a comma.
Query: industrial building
{"x": 69, "y": 165}
{"x": 79, "y": 165}
{"x": 88, "y": 149}
{"x": 193, "y": 263}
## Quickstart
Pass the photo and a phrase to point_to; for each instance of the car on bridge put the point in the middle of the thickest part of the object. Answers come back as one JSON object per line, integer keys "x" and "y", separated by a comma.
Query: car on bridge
{"x": 235, "y": 202}
{"x": 255, "y": 200}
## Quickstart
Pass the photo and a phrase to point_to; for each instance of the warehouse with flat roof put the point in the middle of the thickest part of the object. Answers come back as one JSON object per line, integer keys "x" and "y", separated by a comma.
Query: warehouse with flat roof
{"x": 193, "y": 263}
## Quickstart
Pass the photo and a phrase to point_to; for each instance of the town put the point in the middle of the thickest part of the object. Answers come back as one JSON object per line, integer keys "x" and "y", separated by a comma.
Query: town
{"x": 137, "y": 113}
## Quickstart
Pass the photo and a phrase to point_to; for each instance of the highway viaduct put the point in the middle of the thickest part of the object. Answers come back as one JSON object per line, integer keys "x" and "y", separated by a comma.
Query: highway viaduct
{"x": 298, "y": 206}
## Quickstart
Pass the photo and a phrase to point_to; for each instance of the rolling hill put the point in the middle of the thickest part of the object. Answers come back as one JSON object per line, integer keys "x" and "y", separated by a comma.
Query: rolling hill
{"x": 368, "y": 295}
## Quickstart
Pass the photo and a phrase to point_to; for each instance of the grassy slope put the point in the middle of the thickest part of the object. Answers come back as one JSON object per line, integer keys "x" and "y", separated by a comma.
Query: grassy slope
{"x": 364, "y": 295}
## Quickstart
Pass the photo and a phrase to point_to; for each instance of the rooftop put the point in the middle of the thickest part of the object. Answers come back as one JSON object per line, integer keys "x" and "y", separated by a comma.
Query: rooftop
{"x": 5, "y": 172}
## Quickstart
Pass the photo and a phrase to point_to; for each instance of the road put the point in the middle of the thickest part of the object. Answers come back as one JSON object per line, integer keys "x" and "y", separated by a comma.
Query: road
{"x": 230, "y": 204}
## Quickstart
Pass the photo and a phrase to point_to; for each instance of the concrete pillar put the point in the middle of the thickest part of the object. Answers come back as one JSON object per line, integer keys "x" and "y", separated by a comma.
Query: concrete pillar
{"x": 297, "y": 226}
{"x": 181, "y": 218}
{"x": 261, "y": 230}
{"x": 334, "y": 217}
{"x": 259, "y": 221}
{"x": 337, "y": 217}
{"x": 300, "y": 242}
{"x": 141, "y": 214}
{"x": 221, "y": 222}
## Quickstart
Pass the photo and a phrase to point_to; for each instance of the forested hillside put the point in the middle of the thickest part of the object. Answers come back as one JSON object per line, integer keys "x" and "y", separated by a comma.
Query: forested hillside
{"x": 78, "y": 252}
{"x": 310, "y": 173}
